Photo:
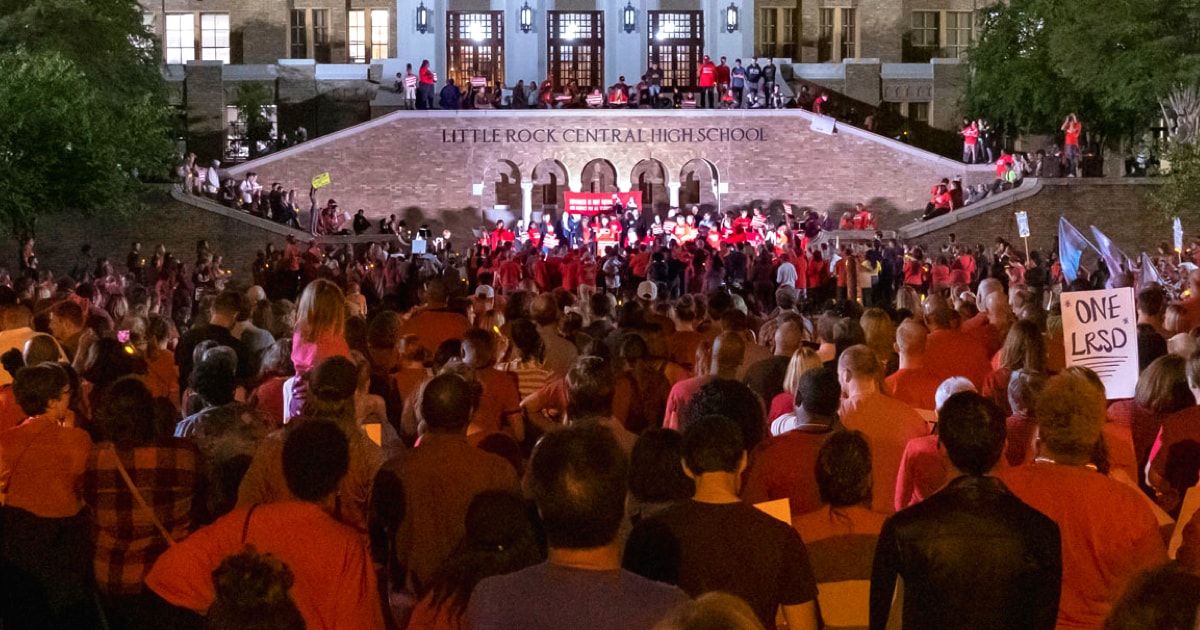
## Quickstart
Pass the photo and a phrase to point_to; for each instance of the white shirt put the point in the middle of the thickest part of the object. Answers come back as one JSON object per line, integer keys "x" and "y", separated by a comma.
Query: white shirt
{"x": 786, "y": 275}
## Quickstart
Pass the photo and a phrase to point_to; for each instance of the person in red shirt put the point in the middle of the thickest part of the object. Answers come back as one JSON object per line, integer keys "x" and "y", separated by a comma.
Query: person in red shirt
{"x": 426, "y": 79}
{"x": 434, "y": 323}
{"x": 913, "y": 384}
{"x": 722, "y": 76}
{"x": 334, "y": 583}
{"x": 1109, "y": 533}
{"x": 499, "y": 407}
{"x": 961, "y": 354}
{"x": 1071, "y": 129}
{"x": 970, "y": 134}
{"x": 707, "y": 83}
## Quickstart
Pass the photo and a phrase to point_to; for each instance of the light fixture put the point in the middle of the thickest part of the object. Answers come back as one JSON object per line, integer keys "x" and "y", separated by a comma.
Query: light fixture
{"x": 731, "y": 18}
{"x": 629, "y": 18}
{"x": 525, "y": 18}
{"x": 475, "y": 30}
{"x": 422, "y": 18}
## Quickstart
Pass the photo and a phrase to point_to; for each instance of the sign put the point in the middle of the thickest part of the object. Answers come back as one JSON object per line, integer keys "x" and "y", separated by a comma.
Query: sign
{"x": 478, "y": 81}
{"x": 824, "y": 124}
{"x": 1022, "y": 224}
{"x": 1100, "y": 333}
{"x": 322, "y": 180}
{"x": 1177, "y": 229}
{"x": 601, "y": 203}
{"x": 410, "y": 81}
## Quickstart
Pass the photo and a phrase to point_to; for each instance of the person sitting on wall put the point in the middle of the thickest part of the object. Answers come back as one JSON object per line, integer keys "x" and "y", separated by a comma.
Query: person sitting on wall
{"x": 451, "y": 96}
{"x": 618, "y": 94}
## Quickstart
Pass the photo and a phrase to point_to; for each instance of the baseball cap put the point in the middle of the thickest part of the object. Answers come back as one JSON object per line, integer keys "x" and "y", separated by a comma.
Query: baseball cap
{"x": 484, "y": 292}
{"x": 647, "y": 290}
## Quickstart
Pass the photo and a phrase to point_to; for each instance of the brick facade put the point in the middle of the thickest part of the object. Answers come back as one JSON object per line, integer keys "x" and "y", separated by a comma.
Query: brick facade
{"x": 433, "y": 160}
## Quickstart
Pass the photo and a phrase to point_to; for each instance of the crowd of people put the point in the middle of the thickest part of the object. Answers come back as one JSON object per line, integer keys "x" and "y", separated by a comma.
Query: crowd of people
{"x": 756, "y": 85}
{"x": 590, "y": 432}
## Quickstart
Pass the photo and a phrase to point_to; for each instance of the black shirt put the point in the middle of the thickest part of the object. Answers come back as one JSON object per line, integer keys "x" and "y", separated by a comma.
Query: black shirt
{"x": 972, "y": 556}
{"x": 729, "y": 547}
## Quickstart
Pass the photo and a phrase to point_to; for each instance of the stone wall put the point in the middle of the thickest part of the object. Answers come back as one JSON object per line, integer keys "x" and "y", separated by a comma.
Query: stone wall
{"x": 1118, "y": 207}
{"x": 435, "y": 160}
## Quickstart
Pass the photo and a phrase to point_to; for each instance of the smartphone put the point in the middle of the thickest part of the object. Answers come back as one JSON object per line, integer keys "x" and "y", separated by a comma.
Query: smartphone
{"x": 123, "y": 336}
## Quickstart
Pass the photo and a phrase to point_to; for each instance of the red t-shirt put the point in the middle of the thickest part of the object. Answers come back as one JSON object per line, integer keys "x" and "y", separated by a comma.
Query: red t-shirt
{"x": 1073, "y": 130}
{"x": 426, "y": 76}
{"x": 500, "y": 398}
{"x": 785, "y": 468}
{"x": 970, "y": 359}
{"x": 915, "y": 388}
{"x": 1109, "y": 535}
{"x": 708, "y": 74}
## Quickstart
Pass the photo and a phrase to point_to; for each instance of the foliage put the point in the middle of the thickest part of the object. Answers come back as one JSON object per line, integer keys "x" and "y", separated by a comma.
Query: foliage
{"x": 1179, "y": 195}
{"x": 1110, "y": 62}
{"x": 83, "y": 105}
{"x": 252, "y": 102}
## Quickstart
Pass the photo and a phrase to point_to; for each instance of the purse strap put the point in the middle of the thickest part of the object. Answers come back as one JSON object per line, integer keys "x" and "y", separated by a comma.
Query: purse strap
{"x": 137, "y": 495}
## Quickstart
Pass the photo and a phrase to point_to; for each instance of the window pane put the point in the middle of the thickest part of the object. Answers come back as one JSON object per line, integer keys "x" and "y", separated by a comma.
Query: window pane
{"x": 475, "y": 46}
{"x": 677, "y": 43}
{"x": 925, "y": 29}
{"x": 181, "y": 37}
{"x": 849, "y": 33}
{"x": 214, "y": 36}
{"x": 959, "y": 31}
{"x": 825, "y": 36}
{"x": 787, "y": 34}
{"x": 919, "y": 112}
{"x": 358, "y": 36}
{"x": 299, "y": 31}
{"x": 379, "y": 34}
{"x": 576, "y": 48}
{"x": 768, "y": 30}
{"x": 320, "y": 28}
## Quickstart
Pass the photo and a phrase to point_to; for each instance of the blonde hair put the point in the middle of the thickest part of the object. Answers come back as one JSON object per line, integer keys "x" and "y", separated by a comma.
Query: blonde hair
{"x": 803, "y": 360}
{"x": 1070, "y": 413}
{"x": 880, "y": 332}
{"x": 712, "y": 610}
{"x": 322, "y": 311}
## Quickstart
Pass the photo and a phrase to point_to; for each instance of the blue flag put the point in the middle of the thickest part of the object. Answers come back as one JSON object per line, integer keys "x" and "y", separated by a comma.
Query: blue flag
{"x": 1112, "y": 255}
{"x": 1071, "y": 244}
{"x": 1148, "y": 273}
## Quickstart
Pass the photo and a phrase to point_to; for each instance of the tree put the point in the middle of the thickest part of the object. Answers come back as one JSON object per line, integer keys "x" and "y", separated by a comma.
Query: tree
{"x": 84, "y": 109}
{"x": 1110, "y": 62}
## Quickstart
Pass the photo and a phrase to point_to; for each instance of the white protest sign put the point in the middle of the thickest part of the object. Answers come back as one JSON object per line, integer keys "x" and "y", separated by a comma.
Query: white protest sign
{"x": 1177, "y": 234}
{"x": 1100, "y": 333}
{"x": 1022, "y": 224}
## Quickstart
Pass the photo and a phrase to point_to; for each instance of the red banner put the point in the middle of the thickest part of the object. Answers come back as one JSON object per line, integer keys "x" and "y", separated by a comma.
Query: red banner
{"x": 602, "y": 203}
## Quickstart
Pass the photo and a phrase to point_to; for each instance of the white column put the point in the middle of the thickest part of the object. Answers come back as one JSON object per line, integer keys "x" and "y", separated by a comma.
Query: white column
{"x": 527, "y": 201}
{"x": 673, "y": 188}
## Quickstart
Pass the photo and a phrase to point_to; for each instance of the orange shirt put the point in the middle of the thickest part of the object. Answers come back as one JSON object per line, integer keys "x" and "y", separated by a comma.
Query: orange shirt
{"x": 956, "y": 353}
{"x": 1109, "y": 535}
{"x": 915, "y": 388}
{"x": 888, "y": 425}
{"x": 334, "y": 586}
{"x": 432, "y": 327}
{"x": 41, "y": 464}
{"x": 11, "y": 413}
{"x": 162, "y": 376}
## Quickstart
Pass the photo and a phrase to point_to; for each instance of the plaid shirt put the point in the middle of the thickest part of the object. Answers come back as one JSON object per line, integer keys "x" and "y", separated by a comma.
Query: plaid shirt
{"x": 127, "y": 542}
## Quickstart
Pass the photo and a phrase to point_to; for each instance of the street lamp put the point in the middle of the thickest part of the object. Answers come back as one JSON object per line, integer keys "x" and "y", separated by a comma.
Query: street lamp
{"x": 422, "y": 19}
{"x": 525, "y": 18}
{"x": 731, "y": 18}
{"x": 629, "y": 18}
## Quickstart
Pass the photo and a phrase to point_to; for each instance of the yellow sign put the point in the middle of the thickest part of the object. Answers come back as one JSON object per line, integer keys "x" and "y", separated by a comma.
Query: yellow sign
{"x": 321, "y": 180}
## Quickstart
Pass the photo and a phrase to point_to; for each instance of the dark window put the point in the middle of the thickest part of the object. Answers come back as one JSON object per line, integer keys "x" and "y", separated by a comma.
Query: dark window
{"x": 575, "y": 42}
{"x": 676, "y": 43}
{"x": 299, "y": 34}
{"x": 825, "y": 36}
{"x": 320, "y": 31}
{"x": 475, "y": 46}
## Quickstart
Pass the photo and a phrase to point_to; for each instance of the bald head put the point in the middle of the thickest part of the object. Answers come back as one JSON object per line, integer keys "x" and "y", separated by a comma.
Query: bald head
{"x": 788, "y": 338}
{"x": 728, "y": 349}
{"x": 859, "y": 363}
{"x": 987, "y": 286}
{"x": 910, "y": 338}
{"x": 938, "y": 313}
